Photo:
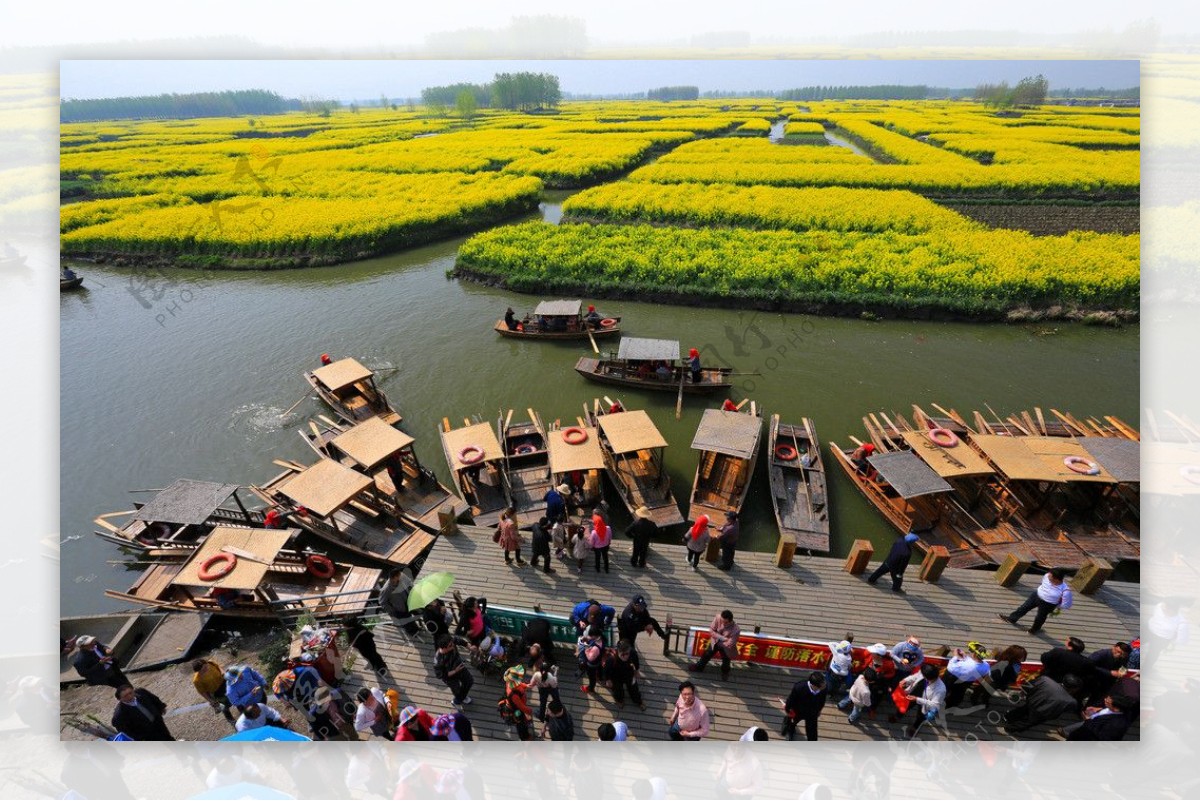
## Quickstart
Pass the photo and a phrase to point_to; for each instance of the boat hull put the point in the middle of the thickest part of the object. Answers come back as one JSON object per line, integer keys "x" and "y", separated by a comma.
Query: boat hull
{"x": 716, "y": 379}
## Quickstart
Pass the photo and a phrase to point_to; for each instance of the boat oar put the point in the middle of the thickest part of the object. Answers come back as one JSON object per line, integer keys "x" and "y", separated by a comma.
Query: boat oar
{"x": 679, "y": 400}
{"x": 241, "y": 553}
{"x": 294, "y": 405}
{"x": 743, "y": 403}
{"x": 592, "y": 339}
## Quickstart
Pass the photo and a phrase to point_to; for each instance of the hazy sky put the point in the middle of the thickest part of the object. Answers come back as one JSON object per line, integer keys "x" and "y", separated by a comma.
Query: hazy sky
{"x": 369, "y": 79}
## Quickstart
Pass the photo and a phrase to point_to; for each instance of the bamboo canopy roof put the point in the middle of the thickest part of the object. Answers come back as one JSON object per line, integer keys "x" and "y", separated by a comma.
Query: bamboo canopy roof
{"x": 341, "y": 373}
{"x": 952, "y": 462}
{"x": 264, "y": 543}
{"x": 731, "y": 433}
{"x": 371, "y": 441}
{"x": 1037, "y": 458}
{"x": 186, "y": 502}
{"x": 479, "y": 435}
{"x": 908, "y": 475}
{"x": 559, "y": 308}
{"x": 631, "y": 431}
{"x": 1120, "y": 457}
{"x": 325, "y": 487}
{"x": 636, "y": 349}
{"x": 565, "y": 457}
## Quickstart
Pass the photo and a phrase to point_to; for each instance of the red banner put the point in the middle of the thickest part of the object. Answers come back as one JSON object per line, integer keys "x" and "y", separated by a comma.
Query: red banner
{"x": 809, "y": 655}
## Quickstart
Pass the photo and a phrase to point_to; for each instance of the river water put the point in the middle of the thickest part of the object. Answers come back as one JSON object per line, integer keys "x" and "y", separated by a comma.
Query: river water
{"x": 185, "y": 374}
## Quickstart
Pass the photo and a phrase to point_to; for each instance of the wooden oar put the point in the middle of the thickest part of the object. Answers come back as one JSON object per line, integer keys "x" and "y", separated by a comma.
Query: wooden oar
{"x": 241, "y": 553}
{"x": 294, "y": 405}
{"x": 592, "y": 339}
{"x": 738, "y": 408}
{"x": 679, "y": 400}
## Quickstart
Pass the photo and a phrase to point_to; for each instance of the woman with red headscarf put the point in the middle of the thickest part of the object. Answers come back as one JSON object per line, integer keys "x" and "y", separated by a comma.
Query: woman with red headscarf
{"x": 696, "y": 541}
{"x": 592, "y": 318}
{"x": 859, "y": 458}
{"x": 694, "y": 365}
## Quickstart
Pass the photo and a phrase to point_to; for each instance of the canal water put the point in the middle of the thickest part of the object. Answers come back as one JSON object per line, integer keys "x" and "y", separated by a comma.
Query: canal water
{"x": 185, "y": 374}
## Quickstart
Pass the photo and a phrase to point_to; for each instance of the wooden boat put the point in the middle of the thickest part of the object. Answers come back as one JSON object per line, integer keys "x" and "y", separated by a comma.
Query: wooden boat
{"x": 139, "y": 640}
{"x": 386, "y": 454}
{"x": 476, "y": 461}
{"x": 265, "y": 580}
{"x": 349, "y": 389}
{"x": 728, "y": 441}
{"x": 576, "y": 459}
{"x": 346, "y": 508}
{"x": 633, "y": 453}
{"x": 559, "y": 319}
{"x": 526, "y": 464}
{"x": 180, "y": 515}
{"x": 67, "y": 284}
{"x": 798, "y": 488}
{"x": 655, "y": 364}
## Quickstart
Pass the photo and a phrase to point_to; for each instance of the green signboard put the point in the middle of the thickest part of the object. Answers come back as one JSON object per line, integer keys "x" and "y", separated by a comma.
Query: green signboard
{"x": 511, "y": 622}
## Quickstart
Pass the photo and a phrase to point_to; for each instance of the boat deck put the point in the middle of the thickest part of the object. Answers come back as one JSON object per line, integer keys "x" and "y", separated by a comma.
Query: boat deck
{"x": 814, "y": 599}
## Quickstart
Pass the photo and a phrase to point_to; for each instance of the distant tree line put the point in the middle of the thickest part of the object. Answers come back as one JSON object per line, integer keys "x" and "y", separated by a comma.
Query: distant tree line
{"x": 522, "y": 91}
{"x": 1030, "y": 91}
{"x": 1133, "y": 93}
{"x": 674, "y": 93}
{"x": 178, "y": 106}
{"x": 879, "y": 92}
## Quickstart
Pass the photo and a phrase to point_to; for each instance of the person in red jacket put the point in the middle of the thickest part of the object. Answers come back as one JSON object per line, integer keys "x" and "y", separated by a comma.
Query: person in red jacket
{"x": 415, "y": 724}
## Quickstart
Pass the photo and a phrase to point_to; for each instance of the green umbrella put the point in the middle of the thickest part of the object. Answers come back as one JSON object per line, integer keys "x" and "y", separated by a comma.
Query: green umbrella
{"x": 428, "y": 588}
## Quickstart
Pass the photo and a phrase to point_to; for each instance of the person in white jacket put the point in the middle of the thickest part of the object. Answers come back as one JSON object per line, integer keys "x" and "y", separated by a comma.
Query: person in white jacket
{"x": 1053, "y": 593}
{"x": 927, "y": 692}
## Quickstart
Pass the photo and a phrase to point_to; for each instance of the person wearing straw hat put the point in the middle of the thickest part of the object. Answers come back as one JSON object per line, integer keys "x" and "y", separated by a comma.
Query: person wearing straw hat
{"x": 96, "y": 663}
{"x": 963, "y": 670}
{"x": 641, "y": 530}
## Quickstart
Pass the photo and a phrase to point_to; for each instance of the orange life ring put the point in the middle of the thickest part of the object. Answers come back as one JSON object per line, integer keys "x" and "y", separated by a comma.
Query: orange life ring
{"x": 207, "y": 571}
{"x": 785, "y": 452}
{"x": 319, "y": 566}
{"x": 574, "y": 435}
{"x": 470, "y": 454}
{"x": 943, "y": 437}
{"x": 1082, "y": 466}
{"x": 608, "y": 322}
{"x": 525, "y": 449}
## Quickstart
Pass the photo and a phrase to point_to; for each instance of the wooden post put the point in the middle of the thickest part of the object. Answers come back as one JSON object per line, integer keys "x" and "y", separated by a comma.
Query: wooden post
{"x": 936, "y": 560}
{"x": 447, "y": 522}
{"x": 1091, "y": 576}
{"x": 860, "y": 555}
{"x": 785, "y": 550}
{"x": 1011, "y": 570}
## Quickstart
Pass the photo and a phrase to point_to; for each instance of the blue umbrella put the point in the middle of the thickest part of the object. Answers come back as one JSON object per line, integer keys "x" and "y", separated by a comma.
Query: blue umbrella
{"x": 266, "y": 733}
{"x": 242, "y": 790}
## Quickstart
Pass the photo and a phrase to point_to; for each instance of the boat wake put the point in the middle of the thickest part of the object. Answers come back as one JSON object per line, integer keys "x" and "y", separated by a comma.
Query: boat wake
{"x": 259, "y": 418}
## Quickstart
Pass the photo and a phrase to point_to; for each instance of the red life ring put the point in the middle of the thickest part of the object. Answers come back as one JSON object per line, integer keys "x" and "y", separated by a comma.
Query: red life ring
{"x": 574, "y": 435}
{"x": 207, "y": 571}
{"x": 943, "y": 437}
{"x": 470, "y": 454}
{"x": 1082, "y": 466}
{"x": 522, "y": 450}
{"x": 786, "y": 453}
{"x": 319, "y": 566}
{"x": 608, "y": 322}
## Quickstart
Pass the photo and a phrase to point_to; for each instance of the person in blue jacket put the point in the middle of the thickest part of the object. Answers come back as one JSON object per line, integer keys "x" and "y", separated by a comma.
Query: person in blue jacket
{"x": 592, "y": 613}
{"x": 896, "y": 561}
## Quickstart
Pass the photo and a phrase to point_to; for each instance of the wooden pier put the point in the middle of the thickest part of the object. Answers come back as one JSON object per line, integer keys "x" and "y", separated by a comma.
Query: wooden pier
{"x": 814, "y": 599}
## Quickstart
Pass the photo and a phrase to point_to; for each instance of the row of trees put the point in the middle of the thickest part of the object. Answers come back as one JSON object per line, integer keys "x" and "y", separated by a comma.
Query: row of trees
{"x": 1029, "y": 91}
{"x": 178, "y": 106}
{"x": 878, "y": 92}
{"x": 510, "y": 90}
{"x": 674, "y": 93}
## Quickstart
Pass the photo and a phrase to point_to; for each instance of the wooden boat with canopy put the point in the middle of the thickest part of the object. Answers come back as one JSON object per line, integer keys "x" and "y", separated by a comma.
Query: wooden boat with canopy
{"x": 559, "y": 319}
{"x": 247, "y": 573}
{"x": 526, "y": 463}
{"x": 476, "y": 461}
{"x": 344, "y": 508}
{"x": 179, "y": 515}
{"x": 349, "y": 389}
{"x": 404, "y": 487}
{"x": 728, "y": 441}
{"x": 798, "y": 488}
{"x": 655, "y": 364}
{"x": 576, "y": 459}
{"x": 633, "y": 452}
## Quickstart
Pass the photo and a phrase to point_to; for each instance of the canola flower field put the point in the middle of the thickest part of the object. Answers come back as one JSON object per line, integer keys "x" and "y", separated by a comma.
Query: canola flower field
{"x": 684, "y": 201}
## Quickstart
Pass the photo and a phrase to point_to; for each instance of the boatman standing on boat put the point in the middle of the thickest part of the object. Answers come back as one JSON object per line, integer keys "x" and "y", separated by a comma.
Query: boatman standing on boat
{"x": 694, "y": 365}
{"x": 510, "y": 319}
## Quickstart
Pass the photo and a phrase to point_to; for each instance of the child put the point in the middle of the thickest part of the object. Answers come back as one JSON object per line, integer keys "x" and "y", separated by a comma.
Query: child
{"x": 580, "y": 547}
{"x": 840, "y": 660}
